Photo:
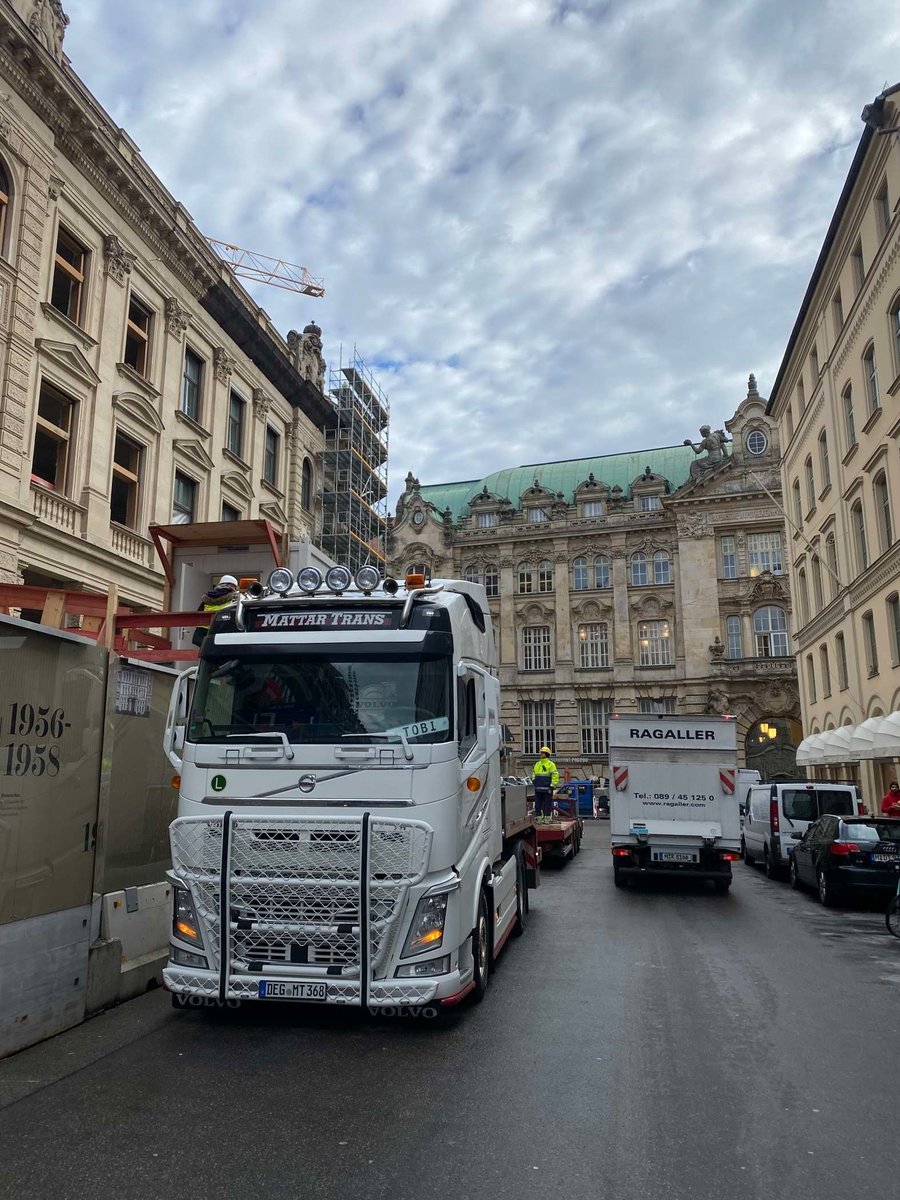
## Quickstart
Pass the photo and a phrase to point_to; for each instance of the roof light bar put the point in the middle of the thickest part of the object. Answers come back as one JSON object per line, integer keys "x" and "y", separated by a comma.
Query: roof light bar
{"x": 281, "y": 580}
{"x": 309, "y": 580}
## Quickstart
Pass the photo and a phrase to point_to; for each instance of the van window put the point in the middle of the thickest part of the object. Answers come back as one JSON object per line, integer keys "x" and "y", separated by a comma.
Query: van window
{"x": 810, "y": 804}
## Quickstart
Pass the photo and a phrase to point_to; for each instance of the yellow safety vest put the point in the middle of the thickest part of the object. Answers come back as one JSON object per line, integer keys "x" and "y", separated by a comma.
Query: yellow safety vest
{"x": 546, "y": 766}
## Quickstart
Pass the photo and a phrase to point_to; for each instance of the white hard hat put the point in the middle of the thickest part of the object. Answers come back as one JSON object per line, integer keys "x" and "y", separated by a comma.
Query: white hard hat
{"x": 228, "y": 579}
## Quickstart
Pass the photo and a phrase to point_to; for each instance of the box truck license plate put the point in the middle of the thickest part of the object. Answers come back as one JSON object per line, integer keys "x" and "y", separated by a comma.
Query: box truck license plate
{"x": 273, "y": 989}
{"x": 676, "y": 856}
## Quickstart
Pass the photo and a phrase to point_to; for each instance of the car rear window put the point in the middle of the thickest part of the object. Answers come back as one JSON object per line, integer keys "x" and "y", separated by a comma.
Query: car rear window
{"x": 808, "y": 804}
{"x": 878, "y": 831}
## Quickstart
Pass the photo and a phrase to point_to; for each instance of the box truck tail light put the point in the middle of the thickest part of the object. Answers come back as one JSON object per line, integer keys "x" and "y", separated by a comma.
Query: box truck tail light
{"x": 621, "y": 852}
{"x": 860, "y": 807}
{"x": 773, "y": 816}
{"x": 844, "y": 848}
{"x": 729, "y": 855}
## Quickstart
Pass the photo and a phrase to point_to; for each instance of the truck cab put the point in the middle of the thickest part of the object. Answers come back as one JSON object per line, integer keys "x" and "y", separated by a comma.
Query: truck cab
{"x": 340, "y": 834}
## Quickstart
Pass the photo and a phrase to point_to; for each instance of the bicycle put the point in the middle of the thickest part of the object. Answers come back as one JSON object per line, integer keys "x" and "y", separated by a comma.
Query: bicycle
{"x": 892, "y": 916}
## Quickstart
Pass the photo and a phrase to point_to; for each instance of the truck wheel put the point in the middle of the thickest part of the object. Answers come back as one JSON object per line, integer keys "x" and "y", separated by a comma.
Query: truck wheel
{"x": 618, "y": 878}
{"x": 722, "y": 886}
{"x": 521, "y": 895}
{"x": 481, "y": 951}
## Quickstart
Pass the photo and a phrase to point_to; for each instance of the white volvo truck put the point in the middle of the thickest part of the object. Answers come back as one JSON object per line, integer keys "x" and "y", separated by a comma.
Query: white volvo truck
{"x": 674, "y": 808}
{"x": 343, "y": 837}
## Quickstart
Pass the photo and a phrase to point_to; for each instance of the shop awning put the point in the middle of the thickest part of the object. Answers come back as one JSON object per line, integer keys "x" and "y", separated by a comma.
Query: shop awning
{"x": 864, "y": 738}
{"x": 886, "y": 741}
{"x": 837, "y": 745}
{"x": 810, "y": 752}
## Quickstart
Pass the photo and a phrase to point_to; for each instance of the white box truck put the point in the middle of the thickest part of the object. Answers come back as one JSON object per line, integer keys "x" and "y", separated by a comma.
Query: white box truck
{"x": 674, "y": 808}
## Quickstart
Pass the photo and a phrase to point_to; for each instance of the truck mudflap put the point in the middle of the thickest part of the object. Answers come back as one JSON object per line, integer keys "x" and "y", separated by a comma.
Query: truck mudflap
{"x": 311, "y": 905}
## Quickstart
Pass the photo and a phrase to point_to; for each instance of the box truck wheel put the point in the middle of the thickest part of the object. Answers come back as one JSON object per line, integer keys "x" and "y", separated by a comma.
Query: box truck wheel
{"x": 618, "y": 878}
{"x": 722, "y": 886}
{"x": 481, "y": 950}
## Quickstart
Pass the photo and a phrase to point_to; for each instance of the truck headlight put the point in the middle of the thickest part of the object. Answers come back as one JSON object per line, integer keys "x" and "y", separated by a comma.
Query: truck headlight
{"x": 185, "y": 958}
{"x": 434, "y": 966}
{"x": 427, "y": 929}
{"x": 185, "y": 925}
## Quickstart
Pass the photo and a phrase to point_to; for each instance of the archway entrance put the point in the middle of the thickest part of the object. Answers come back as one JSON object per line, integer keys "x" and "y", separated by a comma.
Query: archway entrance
{"x": 771, "y": 747}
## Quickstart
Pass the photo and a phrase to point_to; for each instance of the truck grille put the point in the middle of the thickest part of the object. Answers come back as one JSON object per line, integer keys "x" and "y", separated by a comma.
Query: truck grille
{"x": 294, "y": 888}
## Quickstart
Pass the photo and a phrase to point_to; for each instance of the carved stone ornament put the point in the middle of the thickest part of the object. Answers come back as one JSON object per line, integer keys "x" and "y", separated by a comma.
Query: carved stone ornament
{"x": 119, "y": 261}
{"x": 5, "y": 129}
{"x": 695, "y": 525}
{"x": 48, "y": 24}
{"x": 177, "y": 319}
{"x": 261, "y": 404}
{"x": 767, "y": 587}
{"x": 717, "y": 649}
{"x": 223, "y": 364}
{"x": 776, "y": 700}
{"x": 717, "y": 702}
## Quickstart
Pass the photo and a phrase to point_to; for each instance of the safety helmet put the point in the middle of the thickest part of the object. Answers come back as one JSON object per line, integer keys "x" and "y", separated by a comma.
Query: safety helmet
{"x": 545, "y": 750}
{"x": 229, "y": 580}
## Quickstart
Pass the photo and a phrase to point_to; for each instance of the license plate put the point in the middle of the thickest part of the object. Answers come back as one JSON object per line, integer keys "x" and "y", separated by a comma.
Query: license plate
{"x": 678, "y": 856}
{"x": 273, "y": 989}
{"x": 884, "y": 858}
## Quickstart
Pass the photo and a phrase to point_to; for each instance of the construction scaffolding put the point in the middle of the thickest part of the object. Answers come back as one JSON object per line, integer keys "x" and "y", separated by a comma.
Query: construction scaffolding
{"x": 354, "y": 467}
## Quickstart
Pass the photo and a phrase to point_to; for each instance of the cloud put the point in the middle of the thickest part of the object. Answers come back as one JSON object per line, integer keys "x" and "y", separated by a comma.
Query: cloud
{"x": 563, "y": 226}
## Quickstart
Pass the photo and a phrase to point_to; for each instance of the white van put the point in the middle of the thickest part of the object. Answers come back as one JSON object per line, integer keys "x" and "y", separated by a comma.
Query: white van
{"x": 776, "y": 815}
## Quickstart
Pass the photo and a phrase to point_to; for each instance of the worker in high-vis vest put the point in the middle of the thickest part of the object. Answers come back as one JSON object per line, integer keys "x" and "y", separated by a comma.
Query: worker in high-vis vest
{"x": 225, "y": 592}
{"x": 545, "y": 778}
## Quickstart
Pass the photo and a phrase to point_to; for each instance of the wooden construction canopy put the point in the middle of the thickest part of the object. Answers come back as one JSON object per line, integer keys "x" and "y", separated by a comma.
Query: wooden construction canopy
{"x": 210, "y": 534}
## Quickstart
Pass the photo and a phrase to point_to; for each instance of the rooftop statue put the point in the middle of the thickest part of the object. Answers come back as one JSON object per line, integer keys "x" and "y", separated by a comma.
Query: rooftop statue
{"x": 712, "y": 443}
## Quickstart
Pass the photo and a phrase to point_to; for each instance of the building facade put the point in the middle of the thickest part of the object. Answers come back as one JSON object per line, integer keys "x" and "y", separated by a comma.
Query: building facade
{"x": 837, "y": 403}
{"x": 139, "y": 383}
{"x": 652, "y": 581}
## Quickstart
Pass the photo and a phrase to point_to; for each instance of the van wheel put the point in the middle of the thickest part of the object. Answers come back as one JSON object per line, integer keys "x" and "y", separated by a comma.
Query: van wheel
{"x": 770, "y": 869}
{"x": 481, "y": 951}
{"x": 746, "y": 855}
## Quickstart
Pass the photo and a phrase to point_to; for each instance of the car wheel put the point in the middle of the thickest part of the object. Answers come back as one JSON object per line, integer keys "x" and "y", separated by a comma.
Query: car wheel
{"x": 795, "y": 875}
{"x": 827, "y": 893}
{"x": 481, "y": 951}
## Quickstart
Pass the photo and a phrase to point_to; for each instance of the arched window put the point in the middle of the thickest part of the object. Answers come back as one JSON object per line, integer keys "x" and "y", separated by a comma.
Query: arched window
{"x": 492, "y": 579}
{"x": 870, "y": 377}
{"x": 734, "y": 642}
{"x": 471, "y": 574}
{"x": 849, "y": 418}
{"x": 802, "y": 596}
{"x": 810, "y": 484}
{"x": 545, "y": 576}
{"x": 638, "y": 570}
{"x": 895, "y": 332}
{"x": 524, "y": 579}
{"x": 579, "y": 575}
{"x": 818, "y": 594}
{"x": 4, "y": 206}
{"x": 823, "y": 459}
{"x": 306, "y": 486}
{"x": 770, "y": 629}
{"x": 860, "y": 545}
{"x": 832, "y": 564}
{"x": 601, "y": 572}
{"x": 883, "y": 512}
{"x": 661, "y": 572}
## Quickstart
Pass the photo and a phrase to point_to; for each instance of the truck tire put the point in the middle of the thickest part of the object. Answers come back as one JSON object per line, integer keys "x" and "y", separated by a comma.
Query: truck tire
{"x": 481, "y": 950}
{"x": 521, "y": 894}
{"x": 618, "y": 878}
{"x": 722, "y": 886}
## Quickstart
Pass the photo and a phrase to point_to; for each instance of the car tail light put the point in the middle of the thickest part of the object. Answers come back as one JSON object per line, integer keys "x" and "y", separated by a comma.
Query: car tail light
{"x": 773, "y": 815}
{"x": 844, "y": 848}
{"x": 729, "y": 855}
{"x": 621, "y": 852}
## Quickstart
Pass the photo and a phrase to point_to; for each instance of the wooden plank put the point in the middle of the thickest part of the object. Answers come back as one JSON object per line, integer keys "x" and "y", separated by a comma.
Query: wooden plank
{"x": 54, "y": 609}
{"x": 108, "y": 631}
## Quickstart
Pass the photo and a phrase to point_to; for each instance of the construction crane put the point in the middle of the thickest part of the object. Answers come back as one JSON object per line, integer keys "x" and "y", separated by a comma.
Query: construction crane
{"x": 245, "y": 264}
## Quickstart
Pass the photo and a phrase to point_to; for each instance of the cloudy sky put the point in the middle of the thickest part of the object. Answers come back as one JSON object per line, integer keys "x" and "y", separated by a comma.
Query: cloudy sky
{"x": 553, "y": 227}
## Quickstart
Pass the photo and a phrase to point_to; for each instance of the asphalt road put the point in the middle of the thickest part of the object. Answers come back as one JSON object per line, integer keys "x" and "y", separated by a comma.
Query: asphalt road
{"x": 662, "y": 1043}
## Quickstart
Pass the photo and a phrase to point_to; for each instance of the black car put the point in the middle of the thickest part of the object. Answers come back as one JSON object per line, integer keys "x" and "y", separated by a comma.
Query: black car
{"x": 843, "y": 856}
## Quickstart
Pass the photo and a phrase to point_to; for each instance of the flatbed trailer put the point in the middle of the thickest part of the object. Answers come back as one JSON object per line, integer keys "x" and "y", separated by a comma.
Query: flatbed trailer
{"x": 560, "y": 839}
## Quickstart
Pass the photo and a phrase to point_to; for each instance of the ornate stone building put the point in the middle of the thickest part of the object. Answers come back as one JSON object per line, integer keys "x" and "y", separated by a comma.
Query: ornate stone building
{"x": 836, "y": 399}
{"x": 139, "y": 382}
{"x": 652, "y": 581}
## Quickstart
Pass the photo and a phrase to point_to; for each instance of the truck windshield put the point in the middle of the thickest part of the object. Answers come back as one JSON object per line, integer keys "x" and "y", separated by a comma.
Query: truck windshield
{"x": 315, "y": 698}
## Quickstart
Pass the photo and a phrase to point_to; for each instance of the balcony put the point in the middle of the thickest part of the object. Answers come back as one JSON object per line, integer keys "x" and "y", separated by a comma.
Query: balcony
{"x": 53, "y": 509}
{"x": 784, "y": 664}
{"x": 130, "y": 544}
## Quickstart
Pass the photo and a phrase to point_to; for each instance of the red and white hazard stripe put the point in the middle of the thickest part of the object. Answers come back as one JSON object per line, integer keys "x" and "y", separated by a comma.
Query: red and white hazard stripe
{"x": 727, "y": 779}
{"x": 620, "y": 778}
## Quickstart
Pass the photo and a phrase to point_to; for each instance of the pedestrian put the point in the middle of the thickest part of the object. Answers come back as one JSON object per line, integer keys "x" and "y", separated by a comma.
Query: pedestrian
{"x": 890, "y": 805}
{"x": 545, "y": 778}
{"x": 222, "y": 594}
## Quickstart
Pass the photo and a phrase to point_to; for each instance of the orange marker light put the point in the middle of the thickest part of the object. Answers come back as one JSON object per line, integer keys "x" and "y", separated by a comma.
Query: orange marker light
{"x": 415, "y": 581}
{"x": 473, "y": 783}
{"x": 186, "y": 930}
{"x": 176, "y": 782}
